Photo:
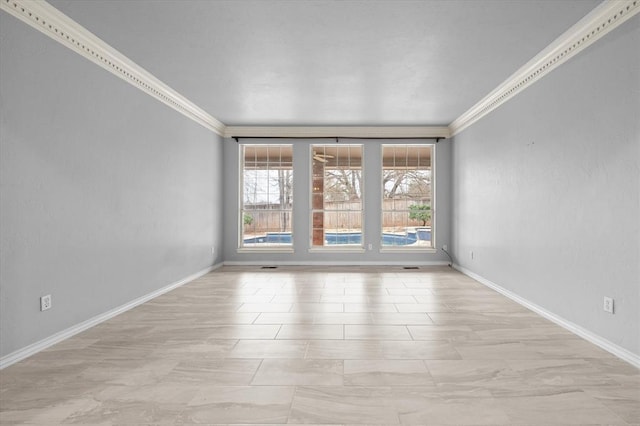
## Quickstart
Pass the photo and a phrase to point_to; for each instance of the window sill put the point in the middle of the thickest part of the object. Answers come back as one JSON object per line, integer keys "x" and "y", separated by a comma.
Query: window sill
{"x": 337, "y": 250}
{"x": 265, "y": 250}
{"x": 409, "y": 250}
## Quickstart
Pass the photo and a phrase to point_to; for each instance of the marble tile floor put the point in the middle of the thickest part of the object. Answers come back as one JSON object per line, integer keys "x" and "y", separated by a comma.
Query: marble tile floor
{"x": 305, "y": 345}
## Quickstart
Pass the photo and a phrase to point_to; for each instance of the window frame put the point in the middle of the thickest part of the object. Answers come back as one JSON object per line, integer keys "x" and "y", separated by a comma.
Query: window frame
{"x": 410, "y": 249}
{"x": 240, "y": 228}
{"x": 337, "y": 248}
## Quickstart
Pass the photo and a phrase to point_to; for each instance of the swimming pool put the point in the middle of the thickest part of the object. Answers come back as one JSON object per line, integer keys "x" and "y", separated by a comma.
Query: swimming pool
{"x": 336, "y": 238}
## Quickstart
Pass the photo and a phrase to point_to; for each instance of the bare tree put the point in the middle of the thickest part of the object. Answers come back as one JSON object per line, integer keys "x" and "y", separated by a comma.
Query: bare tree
{"x": 406, "y": 183}
{"x": 392, "y": 176}
{"x": 343, "y": 184}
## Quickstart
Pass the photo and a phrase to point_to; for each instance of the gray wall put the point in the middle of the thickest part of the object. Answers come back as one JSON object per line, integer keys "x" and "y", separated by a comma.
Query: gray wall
{"x": 546, "y": 190}
{"x": 106, "y": 194}
{"x": 301, "y": 216}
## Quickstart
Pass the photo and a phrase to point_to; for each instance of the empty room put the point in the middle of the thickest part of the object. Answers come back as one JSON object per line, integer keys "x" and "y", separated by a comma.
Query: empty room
{"x": 320, "y": 212}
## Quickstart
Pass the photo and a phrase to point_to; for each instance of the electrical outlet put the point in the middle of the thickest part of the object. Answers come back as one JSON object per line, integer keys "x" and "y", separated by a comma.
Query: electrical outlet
{"x": 608, "y": 305}
{"x": 370, "y": 246}
{"x": 45, "y": 302}
{"x": 472, "y": 255}
{"x": 213, "y": 249}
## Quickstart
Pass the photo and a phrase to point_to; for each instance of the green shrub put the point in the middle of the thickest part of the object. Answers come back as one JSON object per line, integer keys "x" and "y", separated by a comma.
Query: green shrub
{"x": 420, "y": 212}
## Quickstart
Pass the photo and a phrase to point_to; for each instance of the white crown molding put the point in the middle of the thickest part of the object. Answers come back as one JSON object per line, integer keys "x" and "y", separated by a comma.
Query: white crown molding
{"x": 600, "y": 21}
{"x": 620, "y": 352}
{"x": 338, "y": 131}
{"x": 43, "y": 344}
{"x": 49, "y": 20}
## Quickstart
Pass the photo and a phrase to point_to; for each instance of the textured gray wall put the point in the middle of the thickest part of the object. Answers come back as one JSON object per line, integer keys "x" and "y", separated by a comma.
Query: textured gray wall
{"x": 546, "y": 190}
{"x": 301, "y": 219}
{"x": 106, "y": 194}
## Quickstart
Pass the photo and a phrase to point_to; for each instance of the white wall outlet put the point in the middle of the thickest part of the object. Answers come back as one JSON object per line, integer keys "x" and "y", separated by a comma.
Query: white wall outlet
{"x": 444, "y": 247}
{"x": 370, "y": 246}
{"x": 45, "y": 302}
{"x": 471, "y": 254}
{"x": 213, "y": 249}
{"x": 608, "y": 305}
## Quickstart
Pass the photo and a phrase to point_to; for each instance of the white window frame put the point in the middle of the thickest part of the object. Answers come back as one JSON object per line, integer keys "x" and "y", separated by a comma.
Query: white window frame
{"x": 257, "y": 249}
{"x": 337, "y": 248}
{"x": 410, "y": 249}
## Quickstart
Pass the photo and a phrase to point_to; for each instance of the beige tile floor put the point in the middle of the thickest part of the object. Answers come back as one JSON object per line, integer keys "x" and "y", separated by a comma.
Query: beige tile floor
{"x": 324, "y": 346}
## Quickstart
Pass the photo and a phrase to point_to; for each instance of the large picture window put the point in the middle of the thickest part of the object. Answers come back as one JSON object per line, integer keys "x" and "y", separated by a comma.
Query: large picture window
{"x": 267, "y": 196}
{"x": 407, "y": 200}
{"x": 336, "y": 196}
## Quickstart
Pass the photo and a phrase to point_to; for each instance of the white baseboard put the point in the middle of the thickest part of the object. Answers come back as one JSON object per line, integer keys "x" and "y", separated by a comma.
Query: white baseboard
{"x": 36, "y": 347}
{"x": 331, "y": 263}
{"x": 605, "y": 344}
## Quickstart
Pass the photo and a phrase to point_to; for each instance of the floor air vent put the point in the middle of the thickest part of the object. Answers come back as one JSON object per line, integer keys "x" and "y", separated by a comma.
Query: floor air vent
{"x": 269, "y": 267}
{"x": 410, "y": 267}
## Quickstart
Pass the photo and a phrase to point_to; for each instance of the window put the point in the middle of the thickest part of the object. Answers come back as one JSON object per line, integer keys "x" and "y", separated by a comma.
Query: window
{"x": 407, "y": 196}
{"x": 336, "y": 196}
{"x": 267, "y": 196}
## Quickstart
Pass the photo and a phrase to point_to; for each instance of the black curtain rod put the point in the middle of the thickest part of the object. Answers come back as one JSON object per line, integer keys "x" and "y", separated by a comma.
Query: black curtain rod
{"x": 337, "y": 138}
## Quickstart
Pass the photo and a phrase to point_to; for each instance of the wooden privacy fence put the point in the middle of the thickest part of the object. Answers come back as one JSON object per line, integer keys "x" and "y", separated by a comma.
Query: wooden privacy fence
{"x": 338, "y": 215}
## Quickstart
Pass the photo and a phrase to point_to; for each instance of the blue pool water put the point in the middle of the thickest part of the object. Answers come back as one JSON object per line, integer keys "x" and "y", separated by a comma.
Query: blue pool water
{"x": 271, "y": 237}
{"x": 335, "y": 238}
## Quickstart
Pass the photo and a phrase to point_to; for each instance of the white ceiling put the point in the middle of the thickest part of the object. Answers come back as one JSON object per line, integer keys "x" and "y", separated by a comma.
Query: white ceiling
{"x": 328, "y": 63}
